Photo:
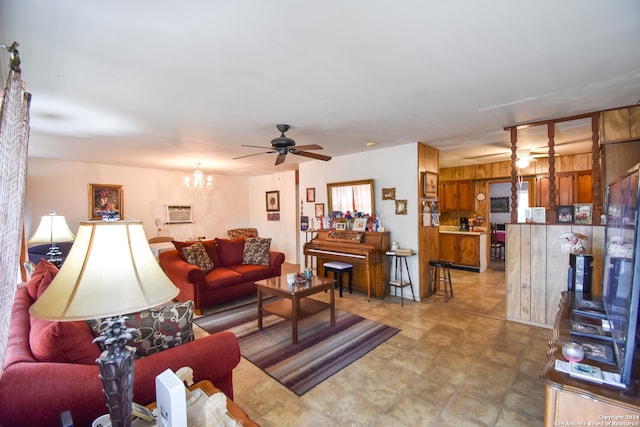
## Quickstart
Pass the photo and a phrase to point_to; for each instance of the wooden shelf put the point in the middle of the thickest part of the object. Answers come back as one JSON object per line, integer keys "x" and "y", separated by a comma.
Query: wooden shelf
{"x": 306, "y": 308}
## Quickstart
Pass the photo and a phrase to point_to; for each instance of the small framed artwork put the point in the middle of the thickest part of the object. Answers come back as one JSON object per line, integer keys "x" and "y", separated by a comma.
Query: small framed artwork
{"x": 341, "y": 225}
{"x": 401, "y": 207}
{"x": 273, "y": 201}
{"x": 582, "y": 213}
{"x": 360, "y": 224}
{"x": 105, "y": 198}
{"x": 499, "y": 204}
{"x": 319, "y": 210}
{"x": 388, "y": 194}
{"x": 430, "y": 184}
{"x": 273, "y": 216}
{"x": 311, "y": 194}
{"x": 564, "y": 214}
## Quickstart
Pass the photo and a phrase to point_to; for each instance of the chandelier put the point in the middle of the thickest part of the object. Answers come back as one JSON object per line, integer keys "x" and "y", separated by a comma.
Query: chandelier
{"x": 197, "y": 183}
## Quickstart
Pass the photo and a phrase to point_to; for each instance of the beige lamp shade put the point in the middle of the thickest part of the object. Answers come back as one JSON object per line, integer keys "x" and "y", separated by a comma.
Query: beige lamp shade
{"x": 52, "y": 228}
{"x": 110, "y": 270}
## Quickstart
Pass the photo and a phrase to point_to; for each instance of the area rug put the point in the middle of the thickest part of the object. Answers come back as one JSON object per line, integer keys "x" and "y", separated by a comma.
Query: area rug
{"x": 322, "y": 350}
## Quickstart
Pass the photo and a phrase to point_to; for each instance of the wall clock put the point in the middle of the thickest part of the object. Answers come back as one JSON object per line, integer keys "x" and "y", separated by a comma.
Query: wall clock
{"x": 481, "y": 196}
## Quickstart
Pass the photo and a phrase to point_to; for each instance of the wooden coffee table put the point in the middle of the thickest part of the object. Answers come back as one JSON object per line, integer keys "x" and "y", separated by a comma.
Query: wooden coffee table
{"x": 294, "y": 304}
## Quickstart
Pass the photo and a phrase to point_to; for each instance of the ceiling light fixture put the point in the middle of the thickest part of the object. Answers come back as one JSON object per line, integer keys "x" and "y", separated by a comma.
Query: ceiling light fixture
{"x": 522, "y": 162}
{"x": 197, "y": 183}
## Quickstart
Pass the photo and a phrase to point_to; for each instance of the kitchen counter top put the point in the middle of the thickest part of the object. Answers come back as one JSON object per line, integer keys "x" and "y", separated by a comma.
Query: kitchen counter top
{"x": 452, "y": 229}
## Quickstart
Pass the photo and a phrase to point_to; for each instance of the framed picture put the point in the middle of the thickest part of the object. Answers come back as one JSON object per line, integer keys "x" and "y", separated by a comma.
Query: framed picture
{"x": 430, "y": 184}
{"x": 104, "y": 198}
{"x": 401, "y": 207}
{"x": 388, "y": 194}
{"x": 273, "y": 201}
{"x": 311, "y": 194}
{"x": 582, "y": 213}
{"x": 360, "y": 224}
{"x": 341, "y": 225}
{"x": 564, "y": 214}
{"x": 319, "y": 210}
{"x": 273, "y": 216}
{"x": 499, "y": 204}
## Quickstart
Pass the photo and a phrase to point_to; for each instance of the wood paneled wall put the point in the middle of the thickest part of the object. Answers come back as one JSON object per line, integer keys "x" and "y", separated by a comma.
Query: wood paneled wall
{"x": 428, "y": 161}
{"x": 537, "y": 270}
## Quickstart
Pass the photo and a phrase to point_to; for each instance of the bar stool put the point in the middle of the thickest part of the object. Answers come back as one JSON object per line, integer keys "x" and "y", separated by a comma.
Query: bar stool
{"x": 338, "y": 268}
{"x": 440, "y": 273}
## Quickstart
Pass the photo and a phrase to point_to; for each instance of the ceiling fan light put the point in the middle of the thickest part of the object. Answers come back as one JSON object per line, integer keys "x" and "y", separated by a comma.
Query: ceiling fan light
{"x": 522, "y": 162}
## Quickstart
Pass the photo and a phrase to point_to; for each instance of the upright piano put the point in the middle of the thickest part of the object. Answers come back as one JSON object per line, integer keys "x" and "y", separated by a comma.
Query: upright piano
{"x": 365, "y": 250}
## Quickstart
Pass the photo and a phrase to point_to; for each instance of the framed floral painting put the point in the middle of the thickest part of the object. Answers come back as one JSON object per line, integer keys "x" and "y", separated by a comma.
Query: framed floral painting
{"x": 105, "y": 200}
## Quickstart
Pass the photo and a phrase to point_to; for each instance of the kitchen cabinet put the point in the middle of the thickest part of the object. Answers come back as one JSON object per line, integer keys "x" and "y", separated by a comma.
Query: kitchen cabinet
{"x": 574, "y": 187}
{"x": 456, "y": 195}
{"x": 463, "y": 249}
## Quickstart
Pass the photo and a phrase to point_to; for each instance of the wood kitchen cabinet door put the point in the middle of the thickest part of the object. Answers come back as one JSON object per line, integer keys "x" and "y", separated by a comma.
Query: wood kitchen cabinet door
{"x": 565, "y": 187}
{"x": 584, "y": 187}
{"x": 465, "y": 195}
{"x": 447, "y": 250}
{"x": 469, "y": 253}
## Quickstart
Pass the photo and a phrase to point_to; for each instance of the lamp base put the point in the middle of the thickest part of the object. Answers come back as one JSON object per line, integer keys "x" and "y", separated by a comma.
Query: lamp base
{"x": 55, "y": 255}
{"x": 116, "y": 371}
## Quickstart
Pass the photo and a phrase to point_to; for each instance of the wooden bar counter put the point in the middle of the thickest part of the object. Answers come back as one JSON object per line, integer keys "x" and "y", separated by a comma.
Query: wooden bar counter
{"x": 571, "y": 401}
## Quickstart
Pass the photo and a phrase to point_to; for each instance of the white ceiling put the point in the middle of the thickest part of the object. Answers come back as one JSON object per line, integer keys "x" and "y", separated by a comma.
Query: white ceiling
{"x": 166, "y": 84}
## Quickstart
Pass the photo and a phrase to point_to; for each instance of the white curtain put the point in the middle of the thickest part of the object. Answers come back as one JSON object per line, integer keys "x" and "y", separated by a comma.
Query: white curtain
{"x": 14, "y": 138}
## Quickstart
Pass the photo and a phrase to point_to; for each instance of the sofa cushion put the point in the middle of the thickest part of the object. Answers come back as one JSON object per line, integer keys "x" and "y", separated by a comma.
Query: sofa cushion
{"x": 256, "y": 250}
{"x": 253, "y": 272}
{"x": 230, "y": 251}
{"x": 42, "y": 275}
{"x": 156, "y": 329}
{"x": 63, "y": 342}
{"x": 197, "y": 255}
{"x": 223, "y": 277}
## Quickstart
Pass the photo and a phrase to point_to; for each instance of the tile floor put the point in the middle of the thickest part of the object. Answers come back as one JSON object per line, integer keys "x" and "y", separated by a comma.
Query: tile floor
{"x": 458, "y": 363}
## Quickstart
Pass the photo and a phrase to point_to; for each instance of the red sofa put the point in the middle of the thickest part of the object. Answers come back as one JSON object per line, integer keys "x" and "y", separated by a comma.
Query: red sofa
{"x": 34, "y": 393}
{"x": 230, "y": 277}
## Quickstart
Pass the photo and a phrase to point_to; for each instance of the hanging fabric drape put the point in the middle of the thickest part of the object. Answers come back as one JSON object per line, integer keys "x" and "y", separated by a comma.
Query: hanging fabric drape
{"x": 14, "y": 137}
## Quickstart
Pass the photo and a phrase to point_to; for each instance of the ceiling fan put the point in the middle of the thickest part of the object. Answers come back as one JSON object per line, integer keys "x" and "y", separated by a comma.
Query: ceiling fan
{"x": 283, "y": 145}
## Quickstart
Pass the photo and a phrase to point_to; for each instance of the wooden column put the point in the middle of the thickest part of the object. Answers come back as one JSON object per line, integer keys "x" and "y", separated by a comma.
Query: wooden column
{"x": 551, "y": 127}
{"x": 514, "y": 174}
{"x": 595, "y": 148}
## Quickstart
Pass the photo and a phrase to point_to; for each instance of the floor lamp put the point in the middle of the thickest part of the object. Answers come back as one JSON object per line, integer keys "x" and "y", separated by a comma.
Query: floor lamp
{"x": 52, "y": 229}
{"x": 110, "y": 271}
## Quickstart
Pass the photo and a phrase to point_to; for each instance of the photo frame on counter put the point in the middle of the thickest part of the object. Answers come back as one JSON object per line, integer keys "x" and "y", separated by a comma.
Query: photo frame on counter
{"x": 582, "y": 213}
{"x": 105, "y": 198}
{"x": 564, "y": 214}
{"x": 273, "y": 201}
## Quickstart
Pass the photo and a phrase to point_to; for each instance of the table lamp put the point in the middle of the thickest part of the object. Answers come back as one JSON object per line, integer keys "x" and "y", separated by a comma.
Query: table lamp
{"x": 110, "y": 271}
{"x": 52, "y": 229}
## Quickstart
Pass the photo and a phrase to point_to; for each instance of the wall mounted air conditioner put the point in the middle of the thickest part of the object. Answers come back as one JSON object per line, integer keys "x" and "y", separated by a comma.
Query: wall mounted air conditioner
{"x": 179, "y": 214}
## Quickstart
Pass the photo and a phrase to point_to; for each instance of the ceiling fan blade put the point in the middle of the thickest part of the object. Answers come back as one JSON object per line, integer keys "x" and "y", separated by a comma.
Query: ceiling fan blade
{"x": 312, "y": 155}
{"x": 256, "y": 146}
{"x": 254, "y": 154}
{"x": 306, "y": 147}
{"x": 280, "y": 158}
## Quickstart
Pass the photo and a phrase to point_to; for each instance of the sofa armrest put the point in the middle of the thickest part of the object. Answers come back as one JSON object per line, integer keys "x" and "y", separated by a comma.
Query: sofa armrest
{"x": 212, "y": 358}
{"x": 187, "y": 277}
{"x": 276, "y": 259}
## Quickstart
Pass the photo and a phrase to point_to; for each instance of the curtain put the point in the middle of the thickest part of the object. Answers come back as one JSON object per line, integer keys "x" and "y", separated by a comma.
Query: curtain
{"x": 351, "y": 198}
{"x": 14, "y": 139}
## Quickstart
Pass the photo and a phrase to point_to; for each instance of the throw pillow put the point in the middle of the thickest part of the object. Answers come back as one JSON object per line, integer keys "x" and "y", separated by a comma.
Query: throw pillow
{"x": 42, "y": 275}
{"x": 256, "y": 251}
{"x": 62, "y": 342}
{"x": 156, "y": 329}
{"x": 230, "y": 251}
{"x": 209, "y": 245}
{"x": 197, "y": 255}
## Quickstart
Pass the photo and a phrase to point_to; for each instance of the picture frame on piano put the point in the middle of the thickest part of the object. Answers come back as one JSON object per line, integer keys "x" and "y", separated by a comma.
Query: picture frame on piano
{"x": 360, "y": 224}
{"x": 341, "y": 225}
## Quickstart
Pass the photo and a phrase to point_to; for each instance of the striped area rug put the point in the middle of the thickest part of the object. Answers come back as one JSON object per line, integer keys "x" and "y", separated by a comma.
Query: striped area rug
{"x": 322, "y": 350}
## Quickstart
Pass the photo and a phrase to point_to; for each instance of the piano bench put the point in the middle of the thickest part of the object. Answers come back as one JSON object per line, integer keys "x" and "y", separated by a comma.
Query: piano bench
{"x": 338, "y": 268}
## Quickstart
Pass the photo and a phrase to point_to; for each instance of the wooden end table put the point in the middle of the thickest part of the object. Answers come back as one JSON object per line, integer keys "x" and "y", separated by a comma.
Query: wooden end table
{"x": 294, "y": 304}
